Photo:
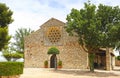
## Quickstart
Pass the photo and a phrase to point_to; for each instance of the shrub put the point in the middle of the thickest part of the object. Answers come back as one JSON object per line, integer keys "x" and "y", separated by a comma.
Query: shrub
{"x": 9, "y": 56}
{"x": 11, "y": 68}
{"x": 13, "y": 55}
{"x": 118, "y": 57}
{"x": 53, "y": 50}
{"x": 60, "y": 63}
{"x": 46, "y": 63}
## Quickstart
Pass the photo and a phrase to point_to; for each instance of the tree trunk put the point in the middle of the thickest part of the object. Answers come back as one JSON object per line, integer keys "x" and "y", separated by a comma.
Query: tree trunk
{"x": 108, "y": 59}
{"x": 8, "y": 58}
{"x": 91, "y": 61}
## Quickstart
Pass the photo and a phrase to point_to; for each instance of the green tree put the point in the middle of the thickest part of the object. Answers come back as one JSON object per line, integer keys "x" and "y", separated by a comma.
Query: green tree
{"x": 10, "y": 55}
{"x": 83, "y": 23}
{"x": 5, "y": 15}
{"x": 18, "y": 45}
{"x": 95, "y": 28}
{"x": 4, "y": 37}
{"x": 5, "y": 20}
{"x": 109, "y": 28}
{"x": 15, "y": 56}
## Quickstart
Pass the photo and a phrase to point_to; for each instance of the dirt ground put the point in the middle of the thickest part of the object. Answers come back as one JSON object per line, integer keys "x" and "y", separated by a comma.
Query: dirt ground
{"x": 68, "y": 73}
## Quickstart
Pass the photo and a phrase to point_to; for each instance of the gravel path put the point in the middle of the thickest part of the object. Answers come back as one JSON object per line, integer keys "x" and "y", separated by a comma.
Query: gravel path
{"x": 67, "y": 73}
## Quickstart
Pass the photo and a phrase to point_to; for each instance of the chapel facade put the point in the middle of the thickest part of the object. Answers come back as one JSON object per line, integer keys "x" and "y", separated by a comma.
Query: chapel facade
{"x": 53, "y": 33}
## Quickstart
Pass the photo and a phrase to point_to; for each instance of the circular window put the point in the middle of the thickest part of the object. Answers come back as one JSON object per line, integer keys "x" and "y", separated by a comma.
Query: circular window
{"x": 54, "y": 34}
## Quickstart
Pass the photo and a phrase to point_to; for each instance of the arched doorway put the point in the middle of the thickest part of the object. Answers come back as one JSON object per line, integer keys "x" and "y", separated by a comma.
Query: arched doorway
{"x": 53, "y": 61}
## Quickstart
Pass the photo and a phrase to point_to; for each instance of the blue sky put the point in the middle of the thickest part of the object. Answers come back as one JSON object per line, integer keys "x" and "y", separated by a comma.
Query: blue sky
{"x": 33, "y": 13}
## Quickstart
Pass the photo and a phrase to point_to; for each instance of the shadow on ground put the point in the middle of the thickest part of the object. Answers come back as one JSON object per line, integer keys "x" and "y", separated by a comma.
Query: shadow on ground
{"x": 117, "y": 70}
{"x": 87, "y": 73}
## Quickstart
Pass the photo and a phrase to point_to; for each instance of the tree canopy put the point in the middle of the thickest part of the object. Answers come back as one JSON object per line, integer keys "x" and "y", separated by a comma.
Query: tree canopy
{"x": 4, "y": 38}
{"x": 18, "y": 45}
{"x": 5, "y": 15}
{"x": 109, "y": 27}
{"x": 84, "y": 23}
{"x": 5, "y": 20}
{"x": 96, "y": 27}
{"x": 13, "y": 56}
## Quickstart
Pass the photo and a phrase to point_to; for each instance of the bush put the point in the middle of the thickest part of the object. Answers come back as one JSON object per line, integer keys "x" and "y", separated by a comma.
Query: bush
{"x": 60, "y": 63}
{"x": 53, "y": 50}
{"x": 46, "y": 63}
{"x": 11, "y": 68}
{"x": 13, "y": 55}
{"x": 9, "y": 56}
{"x": 118, "y": 57}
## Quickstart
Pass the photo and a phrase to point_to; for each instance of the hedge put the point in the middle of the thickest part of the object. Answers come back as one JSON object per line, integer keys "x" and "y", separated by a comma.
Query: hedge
{"x": 14, "y": 55}
{"x": 53, "y": 50}
{"x": 11, "y": 68}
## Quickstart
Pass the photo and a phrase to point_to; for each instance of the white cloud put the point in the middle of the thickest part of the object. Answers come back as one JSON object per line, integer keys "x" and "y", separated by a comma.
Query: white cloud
{"x": 33, "y": 13}
{"x": 107, "y": 2}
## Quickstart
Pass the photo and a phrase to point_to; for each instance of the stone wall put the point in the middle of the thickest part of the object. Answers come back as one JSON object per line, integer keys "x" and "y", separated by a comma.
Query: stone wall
{"x": 117, "y": 62}
{"x": 37, "y": 45}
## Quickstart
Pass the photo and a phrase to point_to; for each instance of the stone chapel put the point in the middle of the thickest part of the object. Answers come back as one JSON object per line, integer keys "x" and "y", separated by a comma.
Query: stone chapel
{"x": 53, "y": 33}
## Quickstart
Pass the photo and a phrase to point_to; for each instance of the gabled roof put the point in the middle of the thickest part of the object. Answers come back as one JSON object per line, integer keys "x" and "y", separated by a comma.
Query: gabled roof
{"x": 52, "y": 20}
